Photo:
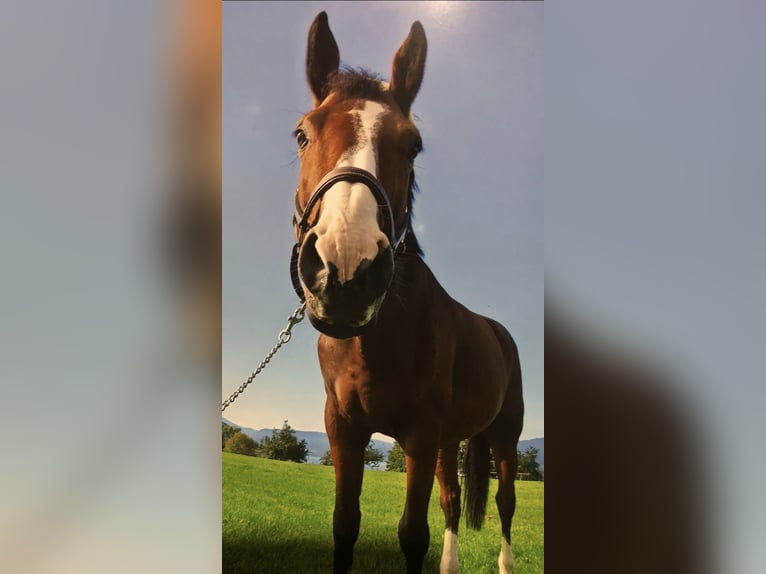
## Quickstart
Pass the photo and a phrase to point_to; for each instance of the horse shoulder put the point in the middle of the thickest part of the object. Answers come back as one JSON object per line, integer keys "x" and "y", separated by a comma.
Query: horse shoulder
{"x": 343, "y": 370}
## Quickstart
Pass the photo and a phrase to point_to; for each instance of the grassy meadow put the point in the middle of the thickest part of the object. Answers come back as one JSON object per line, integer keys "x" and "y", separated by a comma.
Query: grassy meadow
{"x": 277, "y": 518}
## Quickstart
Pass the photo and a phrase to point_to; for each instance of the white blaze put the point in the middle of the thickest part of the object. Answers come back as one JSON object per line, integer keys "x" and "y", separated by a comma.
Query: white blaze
{"x": 505, "y": 560}
{"x": 347, "y": 230}
{"x": 364, "y": 155}
{"x": 449, "y": 563}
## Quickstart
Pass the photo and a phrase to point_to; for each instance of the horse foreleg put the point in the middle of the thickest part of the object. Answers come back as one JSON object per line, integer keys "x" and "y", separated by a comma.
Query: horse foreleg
{"x": 347, "y": 445}
{"x": 413, "y": 527}
{"x": 446, "y": 473}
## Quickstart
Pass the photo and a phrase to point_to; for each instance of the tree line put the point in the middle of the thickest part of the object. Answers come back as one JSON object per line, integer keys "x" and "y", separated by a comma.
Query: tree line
{"x": 528, "y": 468}
{"x": 283, "y": 444}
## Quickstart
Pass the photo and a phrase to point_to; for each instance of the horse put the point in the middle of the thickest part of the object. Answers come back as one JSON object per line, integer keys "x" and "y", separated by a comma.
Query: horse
{"x": 397, "y": 354}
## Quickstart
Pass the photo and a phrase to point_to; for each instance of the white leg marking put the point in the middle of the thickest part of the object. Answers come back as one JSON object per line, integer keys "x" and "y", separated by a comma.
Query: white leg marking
{"x": 505, "y": 561}
{"x": 449, "y": 563}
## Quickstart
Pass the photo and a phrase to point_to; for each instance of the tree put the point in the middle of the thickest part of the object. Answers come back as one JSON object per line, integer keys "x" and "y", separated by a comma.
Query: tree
{"x": 372, "y": 456}
{"x": 226, "y": 433}
{"x": 284, "y": 445}
{"x": 240, "y": 443}
{"x": 528, "y": 463}
{"x": 326, "y": 458}
{"x": 396, "y": 459}
{"x": 462, "y": 449}
{"x": 461, "y": 456}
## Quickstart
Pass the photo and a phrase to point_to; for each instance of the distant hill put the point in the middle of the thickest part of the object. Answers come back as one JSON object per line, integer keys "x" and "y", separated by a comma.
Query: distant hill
{"x": 318, "y": 443}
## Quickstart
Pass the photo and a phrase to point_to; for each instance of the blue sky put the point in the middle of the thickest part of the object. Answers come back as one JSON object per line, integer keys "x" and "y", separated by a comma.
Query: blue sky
{"x": 479, "y": 215}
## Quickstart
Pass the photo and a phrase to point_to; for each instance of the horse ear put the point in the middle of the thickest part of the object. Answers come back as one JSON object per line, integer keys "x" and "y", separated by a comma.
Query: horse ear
{"x": 408, "y": 67}
{"x": 322, "y": 57}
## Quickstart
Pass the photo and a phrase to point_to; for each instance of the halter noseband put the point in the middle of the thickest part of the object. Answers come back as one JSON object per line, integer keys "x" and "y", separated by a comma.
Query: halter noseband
{"x": 351, "y": 175}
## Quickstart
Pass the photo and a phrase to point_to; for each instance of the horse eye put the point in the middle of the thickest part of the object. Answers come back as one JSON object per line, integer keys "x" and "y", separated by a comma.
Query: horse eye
{"x": 301, "y": 138}
{"x": 414, "y": 149}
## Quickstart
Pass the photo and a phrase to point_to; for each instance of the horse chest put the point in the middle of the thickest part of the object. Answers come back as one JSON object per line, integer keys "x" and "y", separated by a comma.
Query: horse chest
{"x": 373, "y": 385}
{"x": 385, "y": 391}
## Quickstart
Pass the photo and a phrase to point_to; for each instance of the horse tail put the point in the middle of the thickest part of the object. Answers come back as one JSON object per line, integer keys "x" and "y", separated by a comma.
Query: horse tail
{"x": 476, "y": 469}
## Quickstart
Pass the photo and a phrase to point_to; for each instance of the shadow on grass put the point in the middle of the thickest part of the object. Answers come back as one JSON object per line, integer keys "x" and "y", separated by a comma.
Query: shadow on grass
{"x": 312, "y": 556}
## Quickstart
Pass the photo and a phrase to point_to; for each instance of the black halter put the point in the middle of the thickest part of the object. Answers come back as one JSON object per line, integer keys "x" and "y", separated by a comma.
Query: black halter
{"x": 352, "y": 175}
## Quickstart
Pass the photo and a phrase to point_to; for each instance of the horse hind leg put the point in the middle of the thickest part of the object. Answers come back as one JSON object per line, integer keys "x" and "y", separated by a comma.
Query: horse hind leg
{"x": 505, "y": 463}
{"x": 446, "y": 473}
{"x": 504, "y": 441}
{"x": 503, "y": 435}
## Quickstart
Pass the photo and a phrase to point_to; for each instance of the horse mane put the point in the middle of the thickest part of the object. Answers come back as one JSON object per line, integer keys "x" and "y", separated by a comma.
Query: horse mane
{"x": 360, "y": 83}
{"x": 410, "y": 241}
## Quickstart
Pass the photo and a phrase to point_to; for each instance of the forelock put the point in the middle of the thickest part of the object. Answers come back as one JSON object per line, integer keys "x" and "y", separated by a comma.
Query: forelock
{"x": 358, "y": 84}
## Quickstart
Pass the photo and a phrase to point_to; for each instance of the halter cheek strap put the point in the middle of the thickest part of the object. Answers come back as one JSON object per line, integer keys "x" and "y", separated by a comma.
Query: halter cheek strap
{"x": 351, "y": 175}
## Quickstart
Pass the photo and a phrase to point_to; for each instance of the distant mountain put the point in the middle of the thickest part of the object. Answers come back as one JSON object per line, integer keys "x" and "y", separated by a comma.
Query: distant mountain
{"x": 318, "y": 443}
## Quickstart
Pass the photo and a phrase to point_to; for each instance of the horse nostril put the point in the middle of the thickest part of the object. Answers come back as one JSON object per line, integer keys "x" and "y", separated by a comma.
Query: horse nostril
{"x": 310, "y": 263}
{"x": 326, "y": 281}
{"x": 363, "y": 266}
{"x": 374, "y": 276}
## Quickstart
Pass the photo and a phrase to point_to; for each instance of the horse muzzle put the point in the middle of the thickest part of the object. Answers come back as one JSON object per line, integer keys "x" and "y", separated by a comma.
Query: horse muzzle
{"x": 344, "y": 287}
{"x": 343, "y": 309}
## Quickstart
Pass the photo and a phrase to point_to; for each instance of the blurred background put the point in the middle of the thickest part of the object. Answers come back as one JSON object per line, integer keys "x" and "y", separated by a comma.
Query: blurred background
{"x": 110, "y": 309}
{"x": 110, "y": 237}
{"x": 654, "y": 235}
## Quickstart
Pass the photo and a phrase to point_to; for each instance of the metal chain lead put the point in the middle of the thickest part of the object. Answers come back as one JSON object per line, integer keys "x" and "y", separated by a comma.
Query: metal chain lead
{"x": 284, "y": 337}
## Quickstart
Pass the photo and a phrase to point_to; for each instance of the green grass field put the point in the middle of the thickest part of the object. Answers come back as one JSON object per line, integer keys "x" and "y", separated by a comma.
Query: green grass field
{"x": 277, "y": 518}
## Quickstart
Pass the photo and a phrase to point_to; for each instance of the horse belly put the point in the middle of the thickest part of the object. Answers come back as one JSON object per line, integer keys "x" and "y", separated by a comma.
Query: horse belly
{"x": 479, "y": 387}
{"x": 391, "y": 408}
{"x": 470, "y": 415}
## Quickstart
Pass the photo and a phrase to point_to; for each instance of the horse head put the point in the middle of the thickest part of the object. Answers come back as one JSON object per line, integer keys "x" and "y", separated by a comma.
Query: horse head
{"x": 357, "y": 148}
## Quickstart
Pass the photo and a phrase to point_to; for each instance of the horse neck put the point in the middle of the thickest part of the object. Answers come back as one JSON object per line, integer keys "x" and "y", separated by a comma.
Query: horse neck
{"x": 408, "y": 302}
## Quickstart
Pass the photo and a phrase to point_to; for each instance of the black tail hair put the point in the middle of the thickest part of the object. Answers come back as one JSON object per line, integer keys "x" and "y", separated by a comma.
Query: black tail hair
{"x": 476, "y": 469}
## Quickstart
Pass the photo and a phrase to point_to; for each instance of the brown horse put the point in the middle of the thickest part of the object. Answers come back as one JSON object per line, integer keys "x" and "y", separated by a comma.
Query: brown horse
{"x": 397, "y": 354}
